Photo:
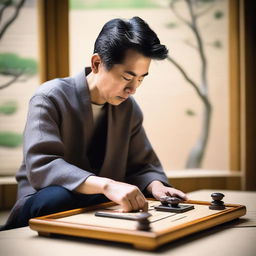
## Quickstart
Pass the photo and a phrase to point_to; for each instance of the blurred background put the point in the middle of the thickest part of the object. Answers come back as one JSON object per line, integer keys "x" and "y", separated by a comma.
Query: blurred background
{"x": 194, "y": 102}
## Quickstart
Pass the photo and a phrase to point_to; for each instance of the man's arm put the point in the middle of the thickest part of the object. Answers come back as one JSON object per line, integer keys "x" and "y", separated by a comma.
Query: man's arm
{"x": 44, "y": 149}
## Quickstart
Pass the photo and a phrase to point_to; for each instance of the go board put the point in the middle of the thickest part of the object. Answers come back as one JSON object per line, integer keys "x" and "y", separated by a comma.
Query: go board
{"x": 164, "y": 226}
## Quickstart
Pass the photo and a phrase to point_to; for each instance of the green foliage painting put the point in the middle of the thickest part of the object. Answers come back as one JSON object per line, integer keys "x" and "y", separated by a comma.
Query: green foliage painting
{"x": 16, "y": 67}
{"x": 13, "y": 67}
{"x": 10, "y": 139}
{"x": 8, "y": 108}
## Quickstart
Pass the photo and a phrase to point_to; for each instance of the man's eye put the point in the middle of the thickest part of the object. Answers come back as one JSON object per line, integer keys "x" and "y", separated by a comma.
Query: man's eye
{"x": 125, "y": 78}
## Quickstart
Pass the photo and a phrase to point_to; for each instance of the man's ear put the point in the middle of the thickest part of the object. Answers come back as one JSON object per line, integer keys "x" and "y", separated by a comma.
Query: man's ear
{"x": 95, "y": 62}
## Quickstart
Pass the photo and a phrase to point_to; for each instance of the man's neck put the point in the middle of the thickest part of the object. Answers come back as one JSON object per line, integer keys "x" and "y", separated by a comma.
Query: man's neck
{"x": 94, "y": 91}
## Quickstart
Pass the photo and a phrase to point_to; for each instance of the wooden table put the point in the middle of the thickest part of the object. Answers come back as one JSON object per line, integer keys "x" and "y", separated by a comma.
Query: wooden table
{"x": 235, "y": 238}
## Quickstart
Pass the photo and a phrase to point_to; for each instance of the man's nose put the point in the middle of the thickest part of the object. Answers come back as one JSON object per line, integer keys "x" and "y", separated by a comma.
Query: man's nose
{"x": 131, "y": 89}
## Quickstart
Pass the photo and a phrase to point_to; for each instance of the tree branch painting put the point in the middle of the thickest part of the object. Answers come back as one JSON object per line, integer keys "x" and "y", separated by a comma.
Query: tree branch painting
{"x": 195, "y": 9}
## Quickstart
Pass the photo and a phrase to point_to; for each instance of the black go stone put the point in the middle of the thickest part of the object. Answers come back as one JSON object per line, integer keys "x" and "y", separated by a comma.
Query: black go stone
{"x": 217, "y": 204}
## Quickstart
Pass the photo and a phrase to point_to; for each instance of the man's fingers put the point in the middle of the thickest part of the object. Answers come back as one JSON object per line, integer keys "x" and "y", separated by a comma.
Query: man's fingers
{"x": 142, "y": 202}
{"x": 182, "y": 195}
{"x": 134, "y": 203}
{"x": 129, "y": 197}
{"x": 126, "y": 205}
{"x": 178, "y": 193}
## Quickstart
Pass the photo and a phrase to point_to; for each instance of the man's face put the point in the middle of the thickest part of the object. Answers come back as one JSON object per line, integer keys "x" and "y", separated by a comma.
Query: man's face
{"x": 122, "y": 80}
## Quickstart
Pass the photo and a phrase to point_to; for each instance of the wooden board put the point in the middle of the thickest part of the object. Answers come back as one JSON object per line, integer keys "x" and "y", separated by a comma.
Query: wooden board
{"x": 165, "y": 226}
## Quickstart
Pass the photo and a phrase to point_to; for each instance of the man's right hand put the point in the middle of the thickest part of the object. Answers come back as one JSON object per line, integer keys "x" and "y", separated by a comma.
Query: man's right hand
{"x": 129, "y": 197}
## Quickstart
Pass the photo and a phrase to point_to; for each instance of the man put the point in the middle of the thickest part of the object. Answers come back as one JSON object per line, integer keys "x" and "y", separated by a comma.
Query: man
{"x": 84, "y": 142}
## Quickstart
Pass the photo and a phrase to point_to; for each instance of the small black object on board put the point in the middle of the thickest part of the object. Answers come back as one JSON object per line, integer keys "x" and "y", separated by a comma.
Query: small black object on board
{"x": 143, "y": 222}
{"x": 217, "y": 203}
{"x": 172, "y": 204}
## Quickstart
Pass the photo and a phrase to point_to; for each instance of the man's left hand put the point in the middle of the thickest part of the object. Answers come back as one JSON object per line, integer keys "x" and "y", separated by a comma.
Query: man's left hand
{"x": 158, "y": 189}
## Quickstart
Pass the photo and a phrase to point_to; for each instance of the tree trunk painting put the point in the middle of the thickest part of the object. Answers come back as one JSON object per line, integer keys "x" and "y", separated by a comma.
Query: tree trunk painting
{"x": 197, "y": 152}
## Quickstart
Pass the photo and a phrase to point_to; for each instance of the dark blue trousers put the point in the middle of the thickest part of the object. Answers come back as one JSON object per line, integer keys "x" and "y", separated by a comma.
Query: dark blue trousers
{"x": 54, "y": 199}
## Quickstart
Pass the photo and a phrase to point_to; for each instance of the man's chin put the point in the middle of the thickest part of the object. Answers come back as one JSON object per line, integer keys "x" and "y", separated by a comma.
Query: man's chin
{"x": 117, "y": 101}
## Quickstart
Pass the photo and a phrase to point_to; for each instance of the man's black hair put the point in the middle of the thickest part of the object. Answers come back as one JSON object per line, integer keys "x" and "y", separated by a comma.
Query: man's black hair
{"x": 119, "y": 35}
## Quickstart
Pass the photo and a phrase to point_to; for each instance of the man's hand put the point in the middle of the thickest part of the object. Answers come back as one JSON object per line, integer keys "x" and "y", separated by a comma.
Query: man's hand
{"x": 128, "y": 196}
{"x": 157, "y": 189}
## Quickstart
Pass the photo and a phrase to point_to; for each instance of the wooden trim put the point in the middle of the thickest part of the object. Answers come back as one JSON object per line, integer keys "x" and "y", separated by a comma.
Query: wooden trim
{"x": 215, "y": 183}
{"x": 192, "y": 180}
{"x": 242, "y": 78}
{"x": 234, "y": 84}
{"x": 53, "y": 38}
{"x": 8, "y": 194}
{"x": 248, "y": 93}
{"x": 242, "y": 90}
{"x": 201, "y": 173}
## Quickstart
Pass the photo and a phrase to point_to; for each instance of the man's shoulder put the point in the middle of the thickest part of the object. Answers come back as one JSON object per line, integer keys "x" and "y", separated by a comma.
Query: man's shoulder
{"x": 56, "y": 87}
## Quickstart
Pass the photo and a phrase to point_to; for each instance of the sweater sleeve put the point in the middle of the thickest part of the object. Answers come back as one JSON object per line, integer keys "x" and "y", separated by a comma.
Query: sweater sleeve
{"x": 143, "y": 165}
{"x": 44, "y": 149}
